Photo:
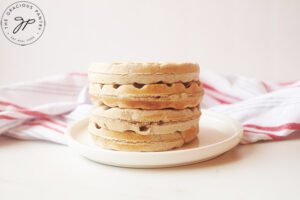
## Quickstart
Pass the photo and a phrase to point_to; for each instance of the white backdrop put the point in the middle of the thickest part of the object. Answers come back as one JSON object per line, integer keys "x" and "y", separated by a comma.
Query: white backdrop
{"x": 256, "y": 38}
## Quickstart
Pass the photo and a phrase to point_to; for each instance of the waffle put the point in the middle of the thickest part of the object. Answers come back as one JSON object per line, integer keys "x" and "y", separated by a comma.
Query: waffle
{"x": 144, "y": 106}
{"x": 131, "y": 141}
{"x": 163, "y": 126}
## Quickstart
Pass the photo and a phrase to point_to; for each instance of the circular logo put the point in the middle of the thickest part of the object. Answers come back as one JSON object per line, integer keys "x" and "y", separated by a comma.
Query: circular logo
{"x": 23, "y": 23}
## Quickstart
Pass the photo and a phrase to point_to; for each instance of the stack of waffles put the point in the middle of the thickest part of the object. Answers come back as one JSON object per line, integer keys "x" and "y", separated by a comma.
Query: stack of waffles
{"x": 144, "y": 106}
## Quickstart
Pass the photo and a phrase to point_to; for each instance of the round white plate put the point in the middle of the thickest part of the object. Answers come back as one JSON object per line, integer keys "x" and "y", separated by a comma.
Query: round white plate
{"x": 218, "y": 134}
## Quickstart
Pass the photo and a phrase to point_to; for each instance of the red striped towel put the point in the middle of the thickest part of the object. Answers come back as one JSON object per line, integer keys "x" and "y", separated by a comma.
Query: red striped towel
{"x": 43, "y": 109}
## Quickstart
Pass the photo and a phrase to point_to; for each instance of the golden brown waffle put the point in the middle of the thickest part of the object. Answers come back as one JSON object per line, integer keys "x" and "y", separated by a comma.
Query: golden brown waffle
{"x": 130, "y": 141}
{"x": 104, "y": 118}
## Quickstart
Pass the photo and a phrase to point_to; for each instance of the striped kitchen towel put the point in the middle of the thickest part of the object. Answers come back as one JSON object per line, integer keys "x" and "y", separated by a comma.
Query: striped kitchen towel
{"x": 43, "y": 109}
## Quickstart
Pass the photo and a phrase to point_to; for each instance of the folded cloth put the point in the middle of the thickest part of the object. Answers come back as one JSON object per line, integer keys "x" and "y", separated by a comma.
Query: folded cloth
{"x": 267, "y": 110}
{"x": 43, "y": 109}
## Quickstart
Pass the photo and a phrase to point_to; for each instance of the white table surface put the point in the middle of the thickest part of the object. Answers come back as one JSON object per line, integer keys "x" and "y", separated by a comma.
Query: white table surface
{"x": 42, "y": 170}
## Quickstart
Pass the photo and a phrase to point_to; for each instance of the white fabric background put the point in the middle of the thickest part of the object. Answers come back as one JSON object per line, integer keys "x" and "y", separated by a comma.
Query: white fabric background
{"x": 255, "y": 38}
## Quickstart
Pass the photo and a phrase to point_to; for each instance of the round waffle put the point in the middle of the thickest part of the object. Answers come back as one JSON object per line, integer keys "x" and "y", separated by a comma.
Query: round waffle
{"x": 167, "y": 124}
{"x": 137, "y": 89}
{"x": 143, "y": 73}
{"x": 181, "y": 101}
{"x": 131, "y": 141}
{"x": 138, "y": 115}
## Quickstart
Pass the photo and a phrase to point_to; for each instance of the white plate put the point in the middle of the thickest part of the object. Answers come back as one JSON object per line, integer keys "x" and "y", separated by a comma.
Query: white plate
{"x": 218, "y": 134}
